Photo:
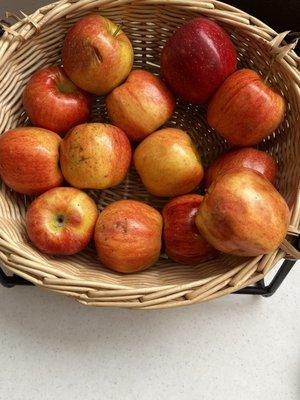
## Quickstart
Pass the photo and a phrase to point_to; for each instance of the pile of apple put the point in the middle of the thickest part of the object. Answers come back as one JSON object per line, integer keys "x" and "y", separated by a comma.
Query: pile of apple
{"x": 241, "y": 212}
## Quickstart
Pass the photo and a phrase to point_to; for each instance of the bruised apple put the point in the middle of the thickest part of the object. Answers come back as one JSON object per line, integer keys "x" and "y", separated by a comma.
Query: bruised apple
{"x": 140, "y": 105}
{"x": 61, "y": 221}
{"x": 168, "y": 163}
{"x": 246, "y": 157}
{"x": 245, "y": 110}
{"x": 128, "y": 236}
{"x": 183, "y": 241}
{"x": 29, "y": 160}
{"x": 95, "y": 156}
{"x": 243, "y": 214}
{"x": 97, "y": 55}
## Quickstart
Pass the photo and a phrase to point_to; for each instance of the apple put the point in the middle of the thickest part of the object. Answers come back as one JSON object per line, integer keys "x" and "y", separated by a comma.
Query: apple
{"x": 196, "y": 59}
{"x": 97, "y": 55}
{"x": 246, "y": 157}
{"x": 128, "y": 236}
{"x": 53, "y": 102}
{"x": 243, "y": 214}
{"x": 183, "y": 241}
{"x": 168, "y": 163}
{"x": 29, "y": 160}
{"x": 140, "y": 105}
{"x": 95, "y": 156}
{"x": 245, "y": 110}
{"x": 61, "y": 221}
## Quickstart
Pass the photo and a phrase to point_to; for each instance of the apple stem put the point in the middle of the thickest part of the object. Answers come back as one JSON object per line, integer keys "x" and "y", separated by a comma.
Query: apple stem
{"x": 119, "y": 27}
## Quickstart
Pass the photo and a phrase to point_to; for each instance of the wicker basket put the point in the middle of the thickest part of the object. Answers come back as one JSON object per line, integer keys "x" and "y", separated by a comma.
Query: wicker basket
{"x": 35, "y": 41}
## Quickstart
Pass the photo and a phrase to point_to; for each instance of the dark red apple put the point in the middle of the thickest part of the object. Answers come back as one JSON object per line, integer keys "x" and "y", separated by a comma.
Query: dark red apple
{"x": 53, "y": 102}
{"x": 128, "y": 236}
{"x": 246, "y": 157}
{"x": 245, "y": 110}
{"x": 183, "y": 241}
{"x": 196, "y": 59}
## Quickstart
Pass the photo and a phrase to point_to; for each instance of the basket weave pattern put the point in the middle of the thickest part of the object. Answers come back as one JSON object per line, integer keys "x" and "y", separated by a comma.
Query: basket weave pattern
{"x": 35, "y": 41}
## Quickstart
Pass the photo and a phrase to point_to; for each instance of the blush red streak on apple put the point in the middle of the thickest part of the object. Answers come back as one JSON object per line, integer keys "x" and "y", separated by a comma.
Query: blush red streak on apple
{"x": 29, "y": 164}
{"x": 49, "y": 106}
{"x": 128, "y": 235}
{"x": 184, "y": 243}
{"x": 76, "y": 230}
{"x": 120, "y": 142}
{"x": 91, "y": 52}
{"x": 156, "y": 91}
{"x": 195, "y": 75}
{"x": 244, "y": 110}
{"x": 231, "y": 88}
{"x": 55, "y": 242}
{"x": 140, "y": 105}
{"x": 237, "y": 211}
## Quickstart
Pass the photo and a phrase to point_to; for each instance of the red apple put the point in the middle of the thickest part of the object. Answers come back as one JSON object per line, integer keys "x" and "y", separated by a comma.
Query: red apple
{"x": 95, "y": 156}
{"x": 53, "y": 102}
{"x": 246, "y": 157}
{"x": 183, "y": 241}
{"x": 243, "y": 214}
{"x": 140, "y": 105}
{"x": 245, "y": 110}
{"x": 29, "y": 160}
{"x": 128, "y": 236}
{"x": 197, "y": 58}
{"x": 61, "y": 221}
{"x": 97, "y": 55}
{"x": 168, "y": 163}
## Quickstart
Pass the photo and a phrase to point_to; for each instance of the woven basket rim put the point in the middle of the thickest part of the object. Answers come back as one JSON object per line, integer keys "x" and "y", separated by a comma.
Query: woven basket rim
{"x": 170, "y": 295}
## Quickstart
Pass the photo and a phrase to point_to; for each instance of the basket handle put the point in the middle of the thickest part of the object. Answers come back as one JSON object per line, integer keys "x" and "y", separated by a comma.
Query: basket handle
{"x": 292, "y": 248}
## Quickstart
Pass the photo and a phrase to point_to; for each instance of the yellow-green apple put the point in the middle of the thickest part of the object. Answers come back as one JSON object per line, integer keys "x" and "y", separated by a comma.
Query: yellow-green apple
{"x": 52, "y": 101}
{"x": 183, "y": 241}
{"x": 140, "y": 105}
{"x": 128, "y": 236}
{"x": 95, "y": 156}
{"x": 29, "y": 160}
{"x": 245, "y": 110}
{"x": 61, "y": 221}
{"x": 197, "y": 58}
{"x": 97, "y": 55}
{"x": 168, "y": 163}
{"x": 243, "y": 214}
{"x": 246, "y": 157}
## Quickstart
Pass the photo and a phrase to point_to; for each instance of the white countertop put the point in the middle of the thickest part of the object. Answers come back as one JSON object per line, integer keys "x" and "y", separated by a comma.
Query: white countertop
{"x": 237, "y": 347}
